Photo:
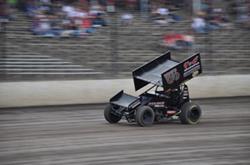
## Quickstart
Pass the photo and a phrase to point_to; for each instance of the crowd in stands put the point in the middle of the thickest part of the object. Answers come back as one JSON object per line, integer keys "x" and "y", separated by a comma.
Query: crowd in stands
{"x": 6, "y": 10}
{"x": 243, "y": 14}
{"x": 209, "y": 18}
{"x": 59, "y": 18}
{"x": 63, "y": 18}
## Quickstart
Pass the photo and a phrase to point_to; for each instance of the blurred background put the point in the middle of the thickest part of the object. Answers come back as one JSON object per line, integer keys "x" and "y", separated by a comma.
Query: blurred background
{"x": 107, "y": 39}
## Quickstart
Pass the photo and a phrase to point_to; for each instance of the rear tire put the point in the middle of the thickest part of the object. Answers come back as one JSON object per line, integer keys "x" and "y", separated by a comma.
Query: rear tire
{"x": 190, "y": 113}
{"x": 109, "y": 116}
{"x": 145, "y": 116}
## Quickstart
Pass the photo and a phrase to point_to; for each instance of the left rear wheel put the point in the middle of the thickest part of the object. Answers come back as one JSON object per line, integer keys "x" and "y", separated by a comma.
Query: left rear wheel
{"x": 109, "y": 116}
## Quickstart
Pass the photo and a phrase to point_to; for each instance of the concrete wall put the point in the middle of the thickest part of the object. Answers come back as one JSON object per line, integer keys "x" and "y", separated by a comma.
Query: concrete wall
{"x": 17, "y": 94}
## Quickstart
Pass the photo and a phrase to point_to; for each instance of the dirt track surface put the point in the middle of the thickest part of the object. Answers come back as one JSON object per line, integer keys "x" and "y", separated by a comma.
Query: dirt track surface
{"x": 79, "y": 135}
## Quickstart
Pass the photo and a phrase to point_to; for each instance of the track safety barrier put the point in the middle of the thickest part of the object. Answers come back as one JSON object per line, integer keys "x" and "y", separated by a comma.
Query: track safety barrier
{"x": 46, "y": 93}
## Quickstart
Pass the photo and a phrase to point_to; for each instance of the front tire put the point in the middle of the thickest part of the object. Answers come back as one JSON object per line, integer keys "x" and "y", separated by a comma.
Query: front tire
{"x": 109, "y": 116}
{"x": 145, "y": 116}
{"x": 190, "y": 113}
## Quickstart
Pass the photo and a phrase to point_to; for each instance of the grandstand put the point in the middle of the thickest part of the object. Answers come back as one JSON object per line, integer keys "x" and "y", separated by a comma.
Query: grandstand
{"x": 114, "y": 51}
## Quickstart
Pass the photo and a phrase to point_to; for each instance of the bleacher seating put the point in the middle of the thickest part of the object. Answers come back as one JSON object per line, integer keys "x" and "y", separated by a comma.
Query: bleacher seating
{"x": 103, "y": 55}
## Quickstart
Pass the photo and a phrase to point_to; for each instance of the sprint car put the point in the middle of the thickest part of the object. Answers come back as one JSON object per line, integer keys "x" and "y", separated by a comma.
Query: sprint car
{"x": 166, "y": 96}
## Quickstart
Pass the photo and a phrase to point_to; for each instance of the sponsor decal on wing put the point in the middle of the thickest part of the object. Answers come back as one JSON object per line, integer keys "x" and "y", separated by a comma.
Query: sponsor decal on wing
{"x": 191, "y": 66}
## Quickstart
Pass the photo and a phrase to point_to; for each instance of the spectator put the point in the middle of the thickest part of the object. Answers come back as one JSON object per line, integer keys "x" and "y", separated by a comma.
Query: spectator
{"x": 199, "y": 25}
{"x": 31, "y": 8}
{"x": 127, "y": 19}
{"x": 97, "y": 13}
{"x": 69, "y": 10}
{"x": 42, "y": 26}
{"x": 4, "y": 11}
{"x": 243, "y": 17}
{"x": 218, "y": 19}
{"x": 162, "y": 11}
{"x": 131, "y": 4}
{"x": 99, "y": 21}
{"x": 178, "y": 41}
{"x": 159, "y": 13}
{"x": 162, "y": 15}
{"x": 96, "y": 9}
{"x": 87, "y": 25}
{"x": 11, "y": 4}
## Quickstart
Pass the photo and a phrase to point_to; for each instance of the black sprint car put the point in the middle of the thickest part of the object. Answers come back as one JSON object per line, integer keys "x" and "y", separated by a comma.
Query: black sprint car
{"x": 166, "y": 98}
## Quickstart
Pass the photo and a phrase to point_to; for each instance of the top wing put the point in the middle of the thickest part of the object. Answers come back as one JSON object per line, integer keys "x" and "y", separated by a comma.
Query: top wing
{"x": 151, "y": 72}
{"x": 165, "y": 72}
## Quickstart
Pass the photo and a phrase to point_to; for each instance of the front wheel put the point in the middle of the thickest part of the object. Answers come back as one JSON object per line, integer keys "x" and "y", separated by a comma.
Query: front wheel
{"x": 109, "y": 116}
{"x": 190, "y": 113}
{"x": 145, "y": 116}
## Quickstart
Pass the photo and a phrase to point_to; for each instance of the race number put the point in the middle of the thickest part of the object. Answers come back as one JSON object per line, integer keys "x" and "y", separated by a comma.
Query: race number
{"x": 172, "y": 76}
